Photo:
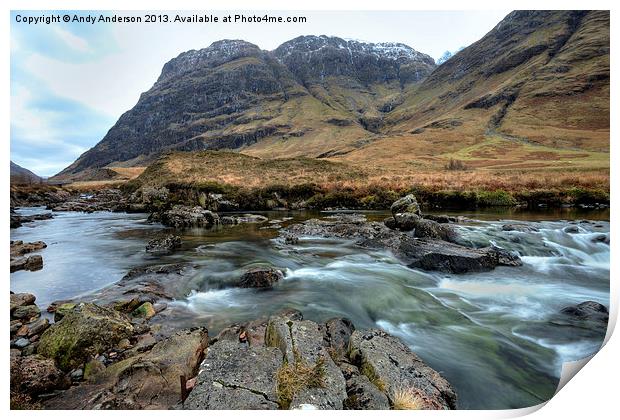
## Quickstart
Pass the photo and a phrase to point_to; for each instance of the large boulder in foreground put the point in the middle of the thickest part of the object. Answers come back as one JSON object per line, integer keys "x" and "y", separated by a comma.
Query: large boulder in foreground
{"x": 395, "y": 370}
{"x": 301, "y": 343}
{"x": 235, "y": 376}
{"x": 148, "y": 380}
{"x": 87, "y": 330}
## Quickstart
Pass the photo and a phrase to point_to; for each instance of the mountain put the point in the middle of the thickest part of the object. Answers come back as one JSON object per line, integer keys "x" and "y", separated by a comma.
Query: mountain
{"x": 327, "y": 92}
{"x": 532, "y": 94}
{"x": 21, "y": 175}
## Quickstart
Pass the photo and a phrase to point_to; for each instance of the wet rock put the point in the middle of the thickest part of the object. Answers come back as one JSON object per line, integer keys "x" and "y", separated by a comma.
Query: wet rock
{"x": 301, "y": 342}
{"x": 19, "y": 248}
{"x": 87, "y": 330}
{"x": 404, "y": 222}
{"x": 518, "y": 227}
{"x": 260, "y": 277}
{"x": 30, "y": 263}
{"x": 571, "y": 229}
{"x": 407, "y": 204}
{"x": 35, "y": 375}
{"x": 433, "y": 255}
{"x": 146, "y": 381}
{"x": 426, "y": 254}
{"x": 363, "y": 395}
{"x": 602, "y": 238}
{"x": 588, "y": 311}
{"x": 187, "y": 217}
{"x": 440, "y": 218}
{"x": 391, "y": 366}
{"x": 433, "y": 230}
{"x": 164, "y": 245}
{"x": 19, "y": 220}
{"x": 235, "y": 376}
{"x": 26, "y": 312}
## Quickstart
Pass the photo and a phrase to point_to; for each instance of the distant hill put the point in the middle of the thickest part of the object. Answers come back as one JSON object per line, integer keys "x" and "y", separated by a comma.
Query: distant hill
{"x": 531, "y": 94}
{"x": 21, "y": 175}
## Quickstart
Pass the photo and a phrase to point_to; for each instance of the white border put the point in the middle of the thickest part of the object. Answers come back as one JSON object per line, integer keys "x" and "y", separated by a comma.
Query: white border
{"x": 592, "y": 394}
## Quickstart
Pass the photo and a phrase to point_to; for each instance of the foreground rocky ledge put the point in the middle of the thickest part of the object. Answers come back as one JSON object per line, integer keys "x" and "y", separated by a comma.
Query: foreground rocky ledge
{"x": 102, "y": 358}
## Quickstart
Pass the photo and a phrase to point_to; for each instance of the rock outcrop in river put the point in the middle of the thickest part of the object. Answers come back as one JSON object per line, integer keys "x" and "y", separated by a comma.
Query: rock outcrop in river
{"x": 427, "y": 253}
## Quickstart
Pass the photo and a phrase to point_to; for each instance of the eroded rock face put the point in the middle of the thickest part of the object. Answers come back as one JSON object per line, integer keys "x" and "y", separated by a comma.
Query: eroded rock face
{"x": 235, "y": 376}
{"x": 83, "y": 332}
{"x": 391, "y": 366}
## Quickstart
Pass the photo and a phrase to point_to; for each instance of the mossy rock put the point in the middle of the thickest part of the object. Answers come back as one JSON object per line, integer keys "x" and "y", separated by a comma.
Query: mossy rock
{"x": 146, "y": 310}
{"x": 63, "y": 310}
{"x": 87, "y": 330}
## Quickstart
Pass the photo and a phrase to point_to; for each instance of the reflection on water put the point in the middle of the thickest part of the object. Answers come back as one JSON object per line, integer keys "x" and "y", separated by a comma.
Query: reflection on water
{"x": 489, "y": 333}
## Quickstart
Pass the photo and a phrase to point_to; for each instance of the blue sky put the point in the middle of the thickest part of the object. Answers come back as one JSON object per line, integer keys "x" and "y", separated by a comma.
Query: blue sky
{"x": 70, "y": 82}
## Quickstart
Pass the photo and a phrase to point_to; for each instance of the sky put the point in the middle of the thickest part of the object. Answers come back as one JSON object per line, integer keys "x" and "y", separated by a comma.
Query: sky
{"x": 70, "y": 82}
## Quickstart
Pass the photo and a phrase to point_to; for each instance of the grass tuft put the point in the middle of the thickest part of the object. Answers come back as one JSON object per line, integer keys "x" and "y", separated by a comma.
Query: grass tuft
{"x": 294, "y": 377}
{"x": 406, "y": 399}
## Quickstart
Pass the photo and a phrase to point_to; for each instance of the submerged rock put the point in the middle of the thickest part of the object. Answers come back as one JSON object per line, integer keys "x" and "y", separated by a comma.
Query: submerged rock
{"x": 87, "y": 330}
{"x": 588, "y": 311}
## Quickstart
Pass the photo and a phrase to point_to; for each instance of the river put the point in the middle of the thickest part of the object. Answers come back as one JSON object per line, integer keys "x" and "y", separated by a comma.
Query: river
{"x": 490, "y": 334}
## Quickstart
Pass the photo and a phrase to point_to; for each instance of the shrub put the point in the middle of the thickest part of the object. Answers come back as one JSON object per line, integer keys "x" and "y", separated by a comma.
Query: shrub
{"x": 455, "y": 165}
{"x": 495, "y": 198}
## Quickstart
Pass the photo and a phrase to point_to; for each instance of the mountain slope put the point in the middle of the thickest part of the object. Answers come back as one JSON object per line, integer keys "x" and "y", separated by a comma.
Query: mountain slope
{"x": 20, "y": 175}
{"x": 320, "y": 91}
{"x": 534, "y": 92}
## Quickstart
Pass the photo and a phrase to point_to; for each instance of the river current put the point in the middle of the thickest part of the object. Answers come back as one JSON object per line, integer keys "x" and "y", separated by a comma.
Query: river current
{"x": 493, "y": 335}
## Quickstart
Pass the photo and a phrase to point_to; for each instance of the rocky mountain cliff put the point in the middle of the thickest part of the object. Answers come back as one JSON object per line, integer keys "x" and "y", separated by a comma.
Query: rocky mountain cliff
{"x": 233, "y": 94}
{"x": 532, "y": 92}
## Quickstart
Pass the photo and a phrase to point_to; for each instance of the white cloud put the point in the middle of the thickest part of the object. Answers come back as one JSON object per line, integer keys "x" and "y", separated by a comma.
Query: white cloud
{"x": 73, "y": 41}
